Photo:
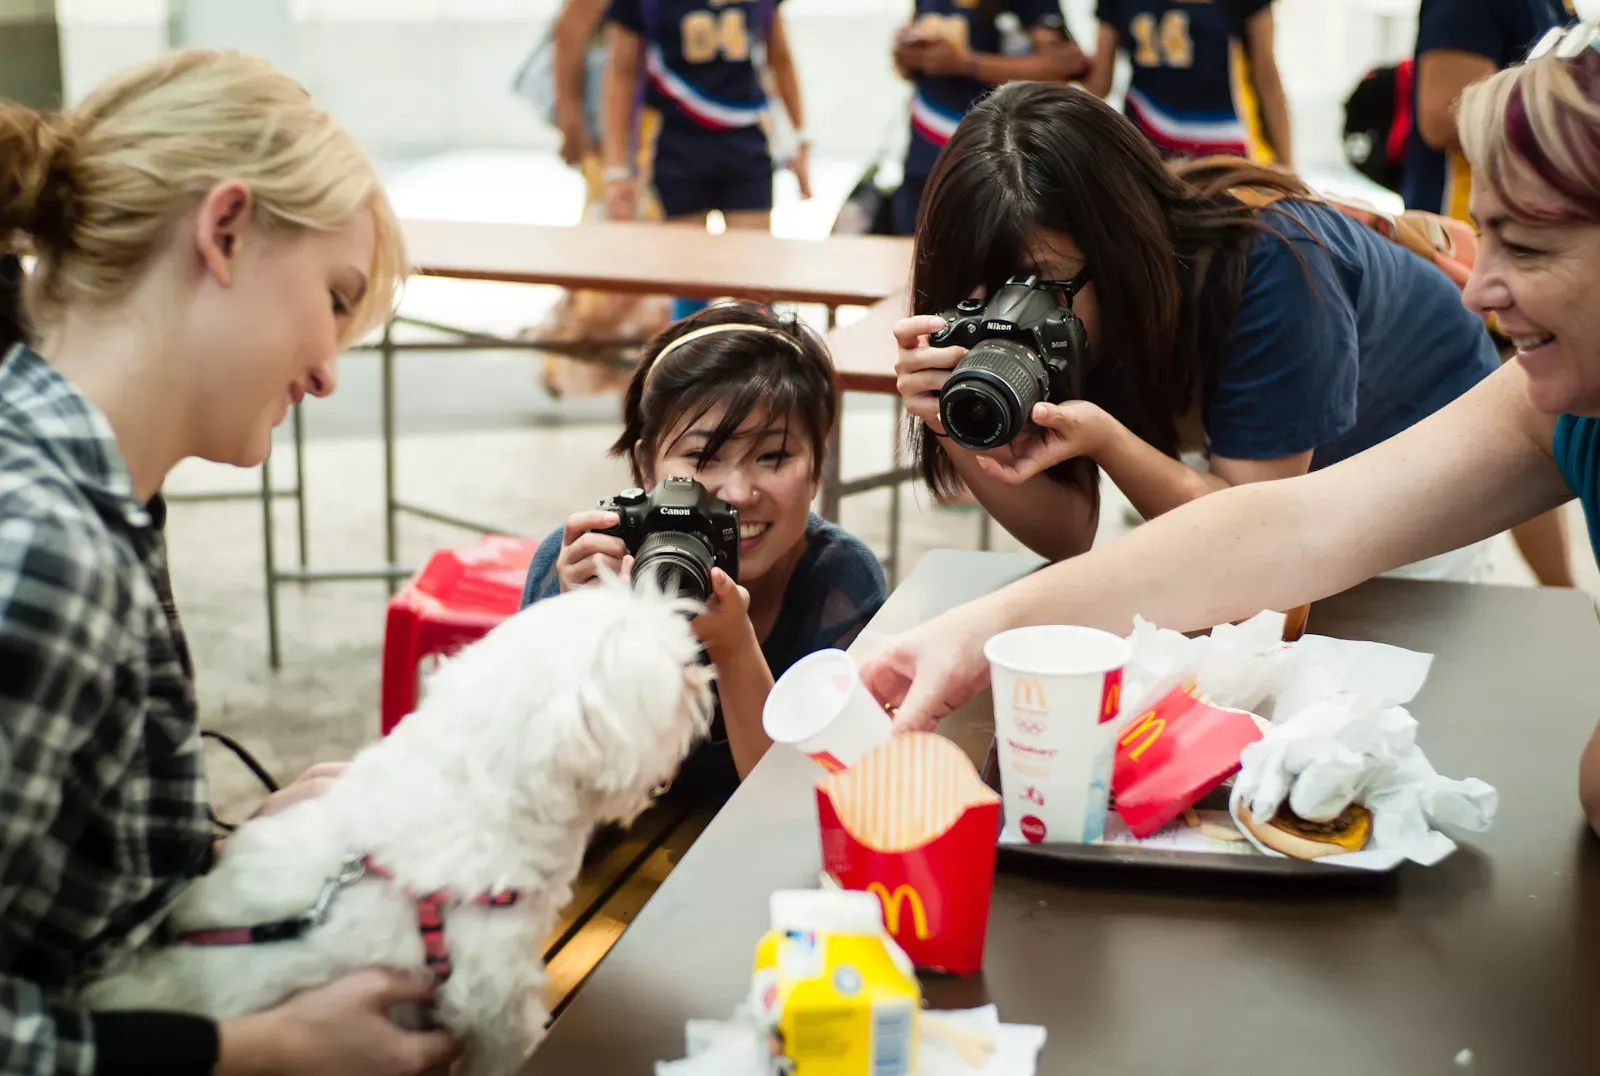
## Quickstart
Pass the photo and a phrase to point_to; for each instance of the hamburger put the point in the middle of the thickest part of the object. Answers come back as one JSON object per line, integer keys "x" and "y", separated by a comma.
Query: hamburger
{"x": 1300, "y": 838}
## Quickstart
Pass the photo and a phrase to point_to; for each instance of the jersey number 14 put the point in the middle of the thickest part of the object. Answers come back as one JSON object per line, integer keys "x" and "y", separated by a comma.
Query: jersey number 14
{"x": 1166, "y": 44}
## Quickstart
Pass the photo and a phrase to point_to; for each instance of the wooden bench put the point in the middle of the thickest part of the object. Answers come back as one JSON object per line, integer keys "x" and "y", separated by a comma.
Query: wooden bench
{"x": 621, "y": 871}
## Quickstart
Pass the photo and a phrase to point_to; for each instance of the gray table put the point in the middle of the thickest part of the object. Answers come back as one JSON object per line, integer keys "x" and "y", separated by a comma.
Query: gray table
{"x": 1496, "y": 950}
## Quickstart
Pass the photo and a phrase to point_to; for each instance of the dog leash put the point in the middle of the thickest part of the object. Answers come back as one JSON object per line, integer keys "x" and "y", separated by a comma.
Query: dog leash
{"x": 350, "y": 872}
{"x": 431, "y": 907}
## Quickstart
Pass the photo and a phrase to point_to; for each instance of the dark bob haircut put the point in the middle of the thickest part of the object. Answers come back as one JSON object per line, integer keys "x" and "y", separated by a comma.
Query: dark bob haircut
{"x": 778, "y": 369}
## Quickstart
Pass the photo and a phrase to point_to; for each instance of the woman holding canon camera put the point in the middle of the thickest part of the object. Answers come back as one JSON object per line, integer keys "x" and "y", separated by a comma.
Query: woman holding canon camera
{"x": 744, "y": 402}
{"x": 1221, "y": 308}
{"x": 1523, "y": 442}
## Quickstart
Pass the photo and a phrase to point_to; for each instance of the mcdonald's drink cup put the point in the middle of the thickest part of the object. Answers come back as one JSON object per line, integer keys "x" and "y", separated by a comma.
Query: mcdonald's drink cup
{"x": 1057, "y": 691}
{"x": 821, "y": 708}
{"x": 913, "y": 824}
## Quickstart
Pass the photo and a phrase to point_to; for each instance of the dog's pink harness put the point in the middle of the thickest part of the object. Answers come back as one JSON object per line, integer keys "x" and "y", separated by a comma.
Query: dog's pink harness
{"x": 430, "y": 915}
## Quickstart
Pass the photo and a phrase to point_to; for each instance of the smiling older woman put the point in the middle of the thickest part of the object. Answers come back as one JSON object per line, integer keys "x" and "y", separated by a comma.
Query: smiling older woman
{"x": 1524, "y": 441}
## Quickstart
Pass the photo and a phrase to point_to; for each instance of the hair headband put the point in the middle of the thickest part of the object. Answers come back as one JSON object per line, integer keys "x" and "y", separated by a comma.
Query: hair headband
{"x": 710, "y": 330}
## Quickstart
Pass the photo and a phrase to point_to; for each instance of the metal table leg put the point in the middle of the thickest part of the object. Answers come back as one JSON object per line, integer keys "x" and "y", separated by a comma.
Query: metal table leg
{"x": 300, "y": 481}
{"x": 270, "y": 560}
{"x": 390, "y": 506}
{"x": 832, "y": 466}
{"x": 892, "y": 562}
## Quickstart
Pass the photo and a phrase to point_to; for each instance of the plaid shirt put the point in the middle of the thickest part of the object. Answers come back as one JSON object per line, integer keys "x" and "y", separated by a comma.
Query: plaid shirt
{"x": 102, "y": 793}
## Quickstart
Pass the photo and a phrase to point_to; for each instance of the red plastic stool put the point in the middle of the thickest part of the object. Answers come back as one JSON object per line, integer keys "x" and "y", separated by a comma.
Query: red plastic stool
{"x": 456, "y": 599}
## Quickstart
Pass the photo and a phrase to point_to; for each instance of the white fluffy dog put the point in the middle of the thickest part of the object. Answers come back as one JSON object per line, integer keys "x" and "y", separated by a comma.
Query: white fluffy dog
{"x": 565, "y": 716}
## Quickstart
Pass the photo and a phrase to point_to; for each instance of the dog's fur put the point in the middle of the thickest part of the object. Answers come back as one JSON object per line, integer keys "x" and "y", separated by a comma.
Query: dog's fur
{"x": 565, "y": 716}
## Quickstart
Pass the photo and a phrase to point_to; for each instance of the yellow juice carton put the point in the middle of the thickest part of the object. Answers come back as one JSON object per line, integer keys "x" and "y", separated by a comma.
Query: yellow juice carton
{"x": 836, "y": 995}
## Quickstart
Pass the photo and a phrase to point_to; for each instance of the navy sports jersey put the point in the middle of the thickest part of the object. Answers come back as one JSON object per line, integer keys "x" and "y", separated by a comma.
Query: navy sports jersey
{"x": 1191, "y": 91}
{"x": 938, "y": 104}
{"x": 1502, "y": 31}
{"x": 699, "y": 66}
{"x": 701, "y": 127}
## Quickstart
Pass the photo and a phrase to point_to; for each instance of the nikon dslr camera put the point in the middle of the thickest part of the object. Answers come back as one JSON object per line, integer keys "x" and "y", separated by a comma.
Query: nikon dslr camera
{"x": 677, "y": 532}
{"x": 1023, "y": 347}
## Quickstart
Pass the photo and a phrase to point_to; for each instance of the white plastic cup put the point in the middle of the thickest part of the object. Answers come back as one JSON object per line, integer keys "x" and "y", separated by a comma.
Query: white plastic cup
{"x": 1057, "y": 691}
{"x": 820, "y": 707}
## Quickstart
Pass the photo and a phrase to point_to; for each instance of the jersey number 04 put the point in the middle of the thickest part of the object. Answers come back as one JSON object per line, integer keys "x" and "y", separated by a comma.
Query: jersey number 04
{"x": 708, "y": 36}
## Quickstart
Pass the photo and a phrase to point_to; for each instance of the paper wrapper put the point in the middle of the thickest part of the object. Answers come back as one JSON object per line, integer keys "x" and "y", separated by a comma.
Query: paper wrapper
{"x": 913, "y": 823}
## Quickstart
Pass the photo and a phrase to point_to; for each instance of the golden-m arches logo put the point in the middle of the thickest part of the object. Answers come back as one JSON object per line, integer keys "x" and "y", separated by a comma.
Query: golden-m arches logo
{"x": 891, "y": 908}
{"x": 1027, "y": 694}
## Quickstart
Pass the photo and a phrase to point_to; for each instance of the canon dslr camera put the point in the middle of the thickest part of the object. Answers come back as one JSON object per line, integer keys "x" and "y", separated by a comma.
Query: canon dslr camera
{"x": 1023, "y": 347}
{"x": 677, "y": 532}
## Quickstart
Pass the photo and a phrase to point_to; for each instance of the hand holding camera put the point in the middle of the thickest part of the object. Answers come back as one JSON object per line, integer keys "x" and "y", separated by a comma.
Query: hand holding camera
{"x": 987, "y": 363}
{"x": 586, "y": 547}
{"x": 724, "y": 629}
{"x": 1058, "y": 432}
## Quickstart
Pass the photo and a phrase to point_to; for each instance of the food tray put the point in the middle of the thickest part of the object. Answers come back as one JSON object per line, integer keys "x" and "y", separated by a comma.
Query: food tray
{"x": 1156, "y": 851}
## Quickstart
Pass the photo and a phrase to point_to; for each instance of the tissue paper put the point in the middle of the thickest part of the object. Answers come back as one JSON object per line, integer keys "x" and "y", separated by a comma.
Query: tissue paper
{"x": 1342, "y": 735}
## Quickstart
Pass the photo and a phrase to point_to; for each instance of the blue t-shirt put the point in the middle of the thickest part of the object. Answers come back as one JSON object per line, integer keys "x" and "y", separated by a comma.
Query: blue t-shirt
{"x": 939, "y": 102}
{"x": 837, "y": 586}
{"x": 1577, "y": 452}
{"x": 1502, "y": 31}
{"x": 700, "y": 72}
{"x": 1343, "y": 339}
{"x": 1190, "y": 80}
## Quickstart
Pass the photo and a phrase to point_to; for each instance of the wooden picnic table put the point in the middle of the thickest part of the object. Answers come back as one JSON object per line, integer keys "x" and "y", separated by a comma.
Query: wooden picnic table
{"x": 664, "y": 259}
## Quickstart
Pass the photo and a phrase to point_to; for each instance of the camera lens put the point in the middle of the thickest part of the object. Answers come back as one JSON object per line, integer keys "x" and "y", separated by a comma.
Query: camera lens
{"x": 680, "y": 562}
{"x": 989, "y": 395}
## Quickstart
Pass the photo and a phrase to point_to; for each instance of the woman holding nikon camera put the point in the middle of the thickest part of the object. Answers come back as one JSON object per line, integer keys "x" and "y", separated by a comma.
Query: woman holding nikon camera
{"x": 1275, "y": 333}
{"x": 744, "y": 402}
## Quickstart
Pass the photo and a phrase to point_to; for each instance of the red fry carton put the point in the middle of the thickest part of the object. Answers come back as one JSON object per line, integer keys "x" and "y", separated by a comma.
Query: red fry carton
{"x": 1172, "y": 755}
{"x": 913, "y": 823}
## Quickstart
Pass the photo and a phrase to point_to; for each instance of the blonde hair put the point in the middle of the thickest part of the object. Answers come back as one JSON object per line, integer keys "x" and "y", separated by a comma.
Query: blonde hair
{"x": 95, "y": 192}
{"x": 1532, "y": 133}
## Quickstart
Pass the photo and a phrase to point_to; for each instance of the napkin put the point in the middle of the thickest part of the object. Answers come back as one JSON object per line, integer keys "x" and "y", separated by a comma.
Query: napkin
{"x": 1236, "y": 665}
{"x": 736, "y": 1048}
{"x": 1341, "y": 734}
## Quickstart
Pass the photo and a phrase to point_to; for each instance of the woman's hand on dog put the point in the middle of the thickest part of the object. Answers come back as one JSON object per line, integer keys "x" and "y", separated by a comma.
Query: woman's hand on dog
{"x": 920, "y": 370}
{"x": 308, "y": 786}
{"x": 583, "y": 550}
{"x": 724, "y": 627}
{"x": 340, "y": 1029}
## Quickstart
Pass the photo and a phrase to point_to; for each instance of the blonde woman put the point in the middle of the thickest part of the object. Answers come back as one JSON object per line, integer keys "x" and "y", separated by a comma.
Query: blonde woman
{"x": 205, "y": 241}
{"x": 1523, "y": 441}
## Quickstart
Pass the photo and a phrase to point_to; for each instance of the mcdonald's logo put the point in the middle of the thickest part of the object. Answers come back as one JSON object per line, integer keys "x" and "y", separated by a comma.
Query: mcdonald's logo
{"x": 891, "y": 908}
{"x": 1027, "y": 694}
{"x": 1150, "y": 724}
{"x": 1111, "y": 696}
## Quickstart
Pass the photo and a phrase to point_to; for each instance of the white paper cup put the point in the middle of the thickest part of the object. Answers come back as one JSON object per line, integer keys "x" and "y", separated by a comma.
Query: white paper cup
{"x": 1057, "y": 691}
{"x": 821, "y": 708}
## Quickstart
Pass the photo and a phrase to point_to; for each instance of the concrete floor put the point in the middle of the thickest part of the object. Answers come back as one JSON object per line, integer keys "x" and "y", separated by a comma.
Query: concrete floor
{"x": 480, "y": 438}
